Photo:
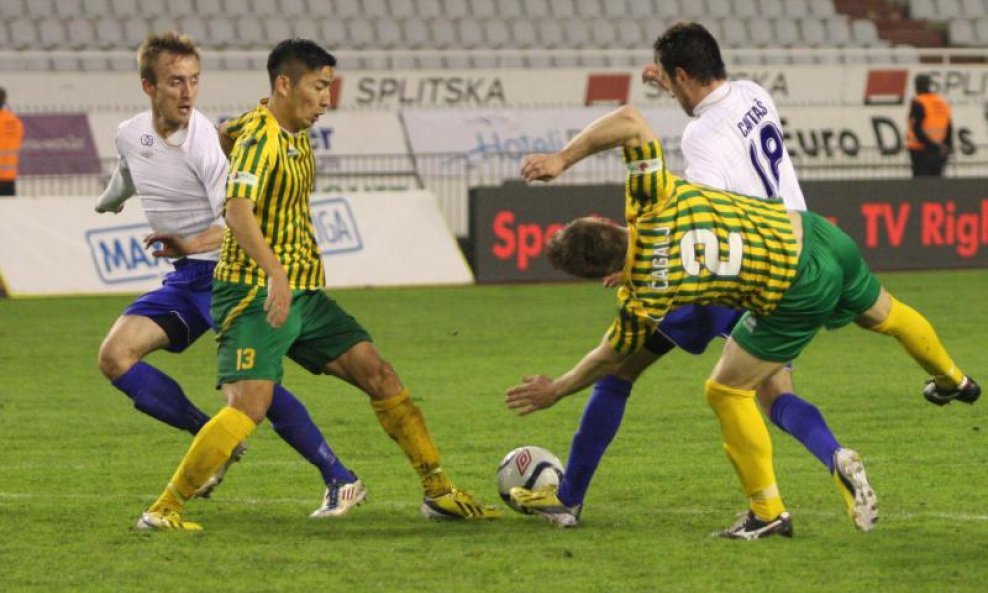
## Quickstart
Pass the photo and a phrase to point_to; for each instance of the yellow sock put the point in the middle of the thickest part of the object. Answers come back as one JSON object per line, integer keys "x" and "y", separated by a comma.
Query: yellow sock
{"x": 748, "y": 446}
{"x": 210, "y": 449}
{"x": 920, "y": 340}
{"x": 404, "y": 423}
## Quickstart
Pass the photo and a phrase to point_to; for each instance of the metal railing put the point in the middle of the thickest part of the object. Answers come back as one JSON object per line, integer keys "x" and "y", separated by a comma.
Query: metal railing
{"x": 450, "y": 176}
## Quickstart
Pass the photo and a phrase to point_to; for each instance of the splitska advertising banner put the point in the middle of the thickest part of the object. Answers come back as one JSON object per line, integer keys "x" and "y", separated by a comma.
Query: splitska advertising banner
{"x": 904, "y": 224}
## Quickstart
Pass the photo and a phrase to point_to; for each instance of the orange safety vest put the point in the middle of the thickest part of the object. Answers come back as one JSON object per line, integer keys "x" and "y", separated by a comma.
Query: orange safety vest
{"x": 936, "y": 119}
{"x": 11, "y": 134}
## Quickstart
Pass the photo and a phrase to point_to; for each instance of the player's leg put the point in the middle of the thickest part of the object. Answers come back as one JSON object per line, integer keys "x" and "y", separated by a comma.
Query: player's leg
{"x": 247, "y": 403}
{"x": 121, "y": 354}
{"x": 333, "y": 342}
{"x": 914, "y": 332}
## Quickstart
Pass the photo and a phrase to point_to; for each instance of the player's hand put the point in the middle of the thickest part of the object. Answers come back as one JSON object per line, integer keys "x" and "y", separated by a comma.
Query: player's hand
{"x": 535, "y": 393}
{"x": 612, "y": 280}
{"x": 168, "y": 245}
{"x": 650, "y": 75}
{"x": 101, "y": 210}
{"x": 279, "y": 301}
{"x": 542, "y": 167}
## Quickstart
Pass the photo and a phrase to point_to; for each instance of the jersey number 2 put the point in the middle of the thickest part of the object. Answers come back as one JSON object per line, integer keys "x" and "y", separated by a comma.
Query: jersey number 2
{"x": 765, "y": 153}
{"x": 710, "y": 244}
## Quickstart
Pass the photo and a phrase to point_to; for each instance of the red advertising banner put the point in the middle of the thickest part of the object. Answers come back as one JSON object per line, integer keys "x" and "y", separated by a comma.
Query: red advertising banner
{"x": 57, "y": 143}
{"x": 900, "y": 224}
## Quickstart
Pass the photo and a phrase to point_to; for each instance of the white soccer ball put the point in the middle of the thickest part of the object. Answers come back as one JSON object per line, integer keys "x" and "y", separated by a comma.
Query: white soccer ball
{"x": 529, "y": 467}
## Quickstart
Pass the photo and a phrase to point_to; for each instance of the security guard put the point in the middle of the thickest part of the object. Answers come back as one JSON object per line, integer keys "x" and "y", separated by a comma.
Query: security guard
{"x": 928, "y": 137}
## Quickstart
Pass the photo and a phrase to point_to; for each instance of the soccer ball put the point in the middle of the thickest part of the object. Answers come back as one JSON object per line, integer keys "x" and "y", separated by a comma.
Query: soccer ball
{"x": 529, "y": 467}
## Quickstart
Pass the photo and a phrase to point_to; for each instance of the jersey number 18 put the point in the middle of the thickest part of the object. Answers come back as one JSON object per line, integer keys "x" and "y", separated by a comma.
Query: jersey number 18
{"x": 765, "y": 153}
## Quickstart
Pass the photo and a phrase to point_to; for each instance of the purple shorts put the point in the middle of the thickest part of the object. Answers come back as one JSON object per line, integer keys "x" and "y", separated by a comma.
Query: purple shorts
{"x": 693, "y": 327}
{"x": 184, "y": 297}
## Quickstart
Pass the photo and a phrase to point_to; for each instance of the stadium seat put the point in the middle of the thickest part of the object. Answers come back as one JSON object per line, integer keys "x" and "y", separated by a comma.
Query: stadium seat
{"x": 770, "y": 8}
{"x": 735, "y": 33}
{"x": 427, "y": 9}
{"x": 719, "y": 8}
{"x": 374, "y": 9}
{"x": 347, "y": 9}
{"x": 361, "y": 33}
{"x": 523, "y": 33}
{"x": 210, "y": 8}
{"x": 588, "y": 8}
{"x": 813, "y": 31}
{"x": 51, "y": 33}
{"x": 124, "y": 8}
{"x": 866, "y": 33}
{"x": 221, "y": 31}
{"x": 603, "y": 34}
{"x": 308, "y": 28}
{"x": 81, "y": 34}
{"x": 787, "y": 31}
{"x": 760, "y": 31}
{"x": 68, "y": 10}
{"x": 576, "y": 33}
{"x": 538, "y": 9}
{"x": 922, "y": 9}
{"x": 162, "y": 24}
{"x": 980, "y": 30}
{"x": 40, "y": 8}
{"x": 470, "y": 33}
{"x": 402, "y": 9}
{"x": 649, "y": 30}
{"x": 497, "y": 34}
{"x": 276, "y": 29}
{"x": 616, "y": 9}
{"x": 551, "y": 35}
{"x": 179, "y": 8}
{"x": 838, "y": 31}
{"x": 508, "y": 9}
{"x": 110, "y": 34}
{"x": 483, "y": 9}
{"x": 690, "y": 10}
{"x": 11, "y": 9}
{"x": 456, "y": 9}
{"x": 961, "y": 32}
{"x": 388, "y": 33}
{"x": 235, "y": 8}
{"x": 442, "y": 33}
{"x": 261, "y": 8}
{"x": 135, "y": 30}
{"x": 796, "y": 8}
{"x": 973, "y": 9}
{"x": 415, "y": 32}
{"x": 562, "y": 8}
{"x": 822, "y": 8}
{"x": 743, "y": 9}
{"x": 333, "y": 32}
{"x": 195, "y": 27}
{"x": 947, "y": 9}
{"x": 629, "y": 34}
{"x": 249, "y": 33}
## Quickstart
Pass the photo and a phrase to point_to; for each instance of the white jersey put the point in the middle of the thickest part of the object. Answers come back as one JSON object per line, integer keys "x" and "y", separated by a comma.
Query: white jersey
{"x": 181, "y": 180}
{"x": 735, "y": 143}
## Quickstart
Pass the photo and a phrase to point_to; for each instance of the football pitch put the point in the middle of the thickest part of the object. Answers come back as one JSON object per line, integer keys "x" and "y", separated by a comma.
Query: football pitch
{"x": 78, "y": 463}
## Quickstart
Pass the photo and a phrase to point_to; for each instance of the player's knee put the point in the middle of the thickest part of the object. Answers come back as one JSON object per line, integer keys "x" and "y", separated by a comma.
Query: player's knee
{"x": 718, "y": 395}
{"x": 114, "y": 360}
{"x": 382, "y": 381}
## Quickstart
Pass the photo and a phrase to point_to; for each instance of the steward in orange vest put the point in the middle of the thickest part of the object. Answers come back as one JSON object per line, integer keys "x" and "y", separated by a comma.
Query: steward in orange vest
{"x": 928, "y": 136}
{"x": 11, "y": 134}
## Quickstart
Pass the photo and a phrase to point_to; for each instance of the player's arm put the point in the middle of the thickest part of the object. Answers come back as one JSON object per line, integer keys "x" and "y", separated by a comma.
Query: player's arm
{"x": 623, "y": 127}
{"x": 118, "y": 191}
{"x": 247, "y": 232}
{"x": 538, "y": 392}
{"x": 226, "y": 139}
{"x": 173, "y": 245}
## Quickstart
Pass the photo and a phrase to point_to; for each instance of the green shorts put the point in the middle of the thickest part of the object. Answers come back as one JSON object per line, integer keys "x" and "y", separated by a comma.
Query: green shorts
{"x": 833, "y": 286}
{"x": 316, "y": 331}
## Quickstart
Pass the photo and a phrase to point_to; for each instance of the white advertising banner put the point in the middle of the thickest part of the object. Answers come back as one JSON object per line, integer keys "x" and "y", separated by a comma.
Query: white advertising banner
{"x": 482, "y": 135}
{"x": 60, "y": 246}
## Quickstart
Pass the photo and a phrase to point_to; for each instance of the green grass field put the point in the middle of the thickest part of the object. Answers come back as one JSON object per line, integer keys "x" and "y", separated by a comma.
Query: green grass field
{"x": 78, "y": 464}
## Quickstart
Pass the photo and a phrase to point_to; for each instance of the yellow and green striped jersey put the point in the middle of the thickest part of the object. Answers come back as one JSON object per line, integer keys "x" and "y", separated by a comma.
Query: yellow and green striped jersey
{"x": 273, "y": 169}
{"x": 694, "y": 245}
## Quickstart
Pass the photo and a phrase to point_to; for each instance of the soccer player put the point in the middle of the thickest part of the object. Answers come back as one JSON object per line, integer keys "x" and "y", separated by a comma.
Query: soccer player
{"x": 269, "y": 303}
{"x": 170, "y": 157}
{"x": 792, "y": 272}
{"x": 735, "y": 143}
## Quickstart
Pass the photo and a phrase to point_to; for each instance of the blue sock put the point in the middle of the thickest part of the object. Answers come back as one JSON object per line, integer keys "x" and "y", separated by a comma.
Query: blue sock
{"x": 601, "y": 419}
{"x": 804, "y": 421}
{"x": 159, "y": 396}
{"x": 292, "y": 422}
